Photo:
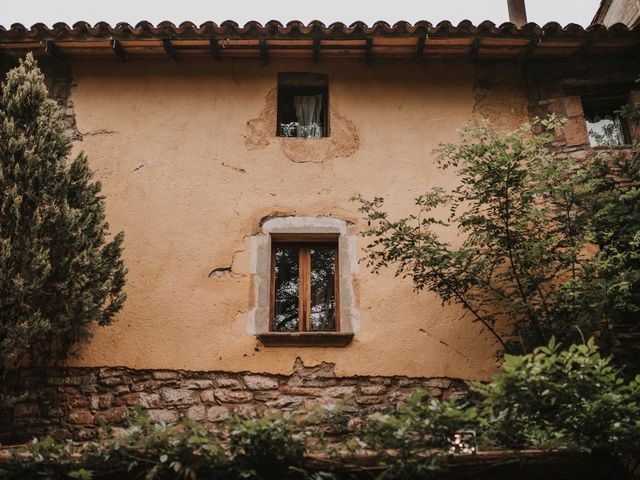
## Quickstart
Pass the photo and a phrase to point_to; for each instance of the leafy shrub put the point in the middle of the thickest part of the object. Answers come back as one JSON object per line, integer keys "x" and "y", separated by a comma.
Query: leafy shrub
{"x": 522, "y": 237}
{"x": 409, "y": 438}
{"x": 268, "y": 447}
{"x": 562, "y": 397}
{"x": 553, "y": 397}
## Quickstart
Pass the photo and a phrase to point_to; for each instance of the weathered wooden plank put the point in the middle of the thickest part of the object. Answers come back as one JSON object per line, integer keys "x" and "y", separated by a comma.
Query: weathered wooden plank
{"x": 118, "y": 50}
{"x": 169, "y": 50}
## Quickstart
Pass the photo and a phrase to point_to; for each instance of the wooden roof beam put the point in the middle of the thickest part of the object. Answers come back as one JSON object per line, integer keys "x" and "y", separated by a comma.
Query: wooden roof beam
{"x": 264, "y": 55}
{"x": 117, "y": 48}
{"x": 169, "y": 49}
{"x": 52, "y": 50}
{"x": 420, "y": 47}
{"x": 528, "y": 51}
{"x": 368, "y": 52}
{"x": 473, "y": 51}
{"x": 316, "y": 50}
{"x": 215, "y": 49}
{"x": 633, "y": 52}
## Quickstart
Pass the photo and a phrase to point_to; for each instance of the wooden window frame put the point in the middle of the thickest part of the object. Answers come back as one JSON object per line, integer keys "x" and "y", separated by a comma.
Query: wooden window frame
{"x": 293, "y": 80}
{"x": 305, "y": 243}
{"x": 612, "y": 102}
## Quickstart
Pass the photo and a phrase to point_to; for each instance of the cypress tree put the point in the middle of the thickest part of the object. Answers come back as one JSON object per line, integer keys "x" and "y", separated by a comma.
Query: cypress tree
{"x": 59, "y": 273}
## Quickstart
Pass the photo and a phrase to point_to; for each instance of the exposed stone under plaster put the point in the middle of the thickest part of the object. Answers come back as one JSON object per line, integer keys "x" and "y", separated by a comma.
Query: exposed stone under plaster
{"x": 77, "y": 402}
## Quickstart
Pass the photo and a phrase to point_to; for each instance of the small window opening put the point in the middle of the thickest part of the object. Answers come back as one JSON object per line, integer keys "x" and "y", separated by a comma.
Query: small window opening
{"x": 605, "y": 125}
{"x": 304, "y": 286}
{"x": 303, "y": 104}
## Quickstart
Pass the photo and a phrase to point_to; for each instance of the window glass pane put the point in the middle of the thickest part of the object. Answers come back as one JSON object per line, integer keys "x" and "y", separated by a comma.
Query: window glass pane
{"x": 287, "y": 287}
{"x": 605, "y": 131}
{"x": 323, "y": 295}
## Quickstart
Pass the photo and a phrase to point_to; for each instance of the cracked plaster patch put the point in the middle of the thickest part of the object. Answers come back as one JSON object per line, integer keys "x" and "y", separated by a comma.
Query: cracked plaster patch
{"x": 342, "y": 142}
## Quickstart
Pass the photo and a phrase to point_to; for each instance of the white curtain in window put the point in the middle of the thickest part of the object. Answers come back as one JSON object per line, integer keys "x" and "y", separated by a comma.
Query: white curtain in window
{"x": 308, "y": 110}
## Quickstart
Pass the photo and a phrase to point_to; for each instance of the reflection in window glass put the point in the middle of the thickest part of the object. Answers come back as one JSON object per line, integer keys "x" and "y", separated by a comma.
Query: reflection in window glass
{"x": 605, "y": 131}
{"x": 287, "y": 288}
{"x": 323, "y": 295}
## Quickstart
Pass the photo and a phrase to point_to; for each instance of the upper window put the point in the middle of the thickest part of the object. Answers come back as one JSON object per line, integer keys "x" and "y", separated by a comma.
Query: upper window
{"x": 304, "y": 286}
{"x": 606, "y": 127}
{"x": 303, "y": 105}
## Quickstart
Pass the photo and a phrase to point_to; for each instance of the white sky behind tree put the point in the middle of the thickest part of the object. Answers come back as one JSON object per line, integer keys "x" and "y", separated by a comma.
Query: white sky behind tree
{"x": 29, "y": 12}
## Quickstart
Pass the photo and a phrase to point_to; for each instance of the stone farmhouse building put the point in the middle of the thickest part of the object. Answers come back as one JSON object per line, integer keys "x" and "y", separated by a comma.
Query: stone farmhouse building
{"x": 229, "y": 154}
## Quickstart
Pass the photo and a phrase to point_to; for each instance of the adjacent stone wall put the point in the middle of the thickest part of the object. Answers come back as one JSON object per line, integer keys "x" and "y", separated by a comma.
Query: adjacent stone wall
{"x": 557, "y": 86}
{"x": 60, "y": 85}
{"x": 78, "y": 402}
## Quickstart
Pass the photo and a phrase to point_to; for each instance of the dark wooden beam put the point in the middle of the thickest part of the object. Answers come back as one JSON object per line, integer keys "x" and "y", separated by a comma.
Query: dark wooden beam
{"x": 473, "y": 51}
{"x": 583, "y": 49}
{"x": 264, "y": 55}
{"x": 528, "y": 51}
{"x": 116, "y": 46}
{"x": 420, "y": 47}
{"x": 52, "y": 50}
{"x": 215, "y": 49}
{"x": 316, "y": 50}
{"x": 633, "y": 52}
{"x": 169, "y": 49}
{"x": 368, "y": 53}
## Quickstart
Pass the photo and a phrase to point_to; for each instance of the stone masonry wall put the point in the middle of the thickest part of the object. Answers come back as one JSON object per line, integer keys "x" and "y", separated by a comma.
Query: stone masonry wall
{"x": 78, "y": 402}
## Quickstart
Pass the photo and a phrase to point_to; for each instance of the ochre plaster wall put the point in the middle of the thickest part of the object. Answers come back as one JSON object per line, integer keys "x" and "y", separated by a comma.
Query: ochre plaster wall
{"x": 189, "y": 163}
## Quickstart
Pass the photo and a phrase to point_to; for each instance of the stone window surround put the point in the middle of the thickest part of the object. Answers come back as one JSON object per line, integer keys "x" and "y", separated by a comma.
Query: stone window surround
{"x": 258, "y": 318}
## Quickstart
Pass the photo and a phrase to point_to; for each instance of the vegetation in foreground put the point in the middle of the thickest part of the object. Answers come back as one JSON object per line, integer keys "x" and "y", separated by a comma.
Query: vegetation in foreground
{"x": 546, "y": 246}
{"x": 553, "y": 398}
{"x": 59, "y": 272}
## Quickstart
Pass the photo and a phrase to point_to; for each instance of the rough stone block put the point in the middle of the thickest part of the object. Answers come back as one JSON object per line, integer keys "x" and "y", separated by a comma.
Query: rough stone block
{"x": 26, "y": 410}
{"x": 232, "y": 396}
{"x": 197, "y": 384}
{"x": 245, "y": 411}
{"x": 265, "y": 395}
{"x": 300, "y": 391}
{"x": 228, "y": 382}
{"x": 101, "y": 402}
{"x": 573, "y": 106}
{"x": 177, "y": 396}
{"x": 165, "y": 375}
{"x": 339, "y": 391}
{"x": 197, "y": 412}
{"x": 260, "y": 382}
{"x": 80, "y": 417}
{"x": 160, "y": 415}
{"x": 369, "y": 400}
{"x": 146, "y": 386}
{"x": 285, "y": 402}
{"x": 217, "y": 414}
{"x": 208, "y": 396}
{"x": 113, "y": 415}
{"x": 575, "y": 132}
{"x": 146, "y": 400}
{"x": 373, "y": 389}
{"x": 443, "y": 383}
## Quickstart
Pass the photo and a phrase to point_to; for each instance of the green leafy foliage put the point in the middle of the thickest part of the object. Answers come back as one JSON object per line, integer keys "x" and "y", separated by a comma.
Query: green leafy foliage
{"x": 613, "y": 207}
{"x": 59, "y": 274}
{"x": 269, "y": 447}
{"x": 410, "y": 438}
{"x": 521, "y": 264}
{"x": 562, "y": 397}
{"x": 551, "y": 398}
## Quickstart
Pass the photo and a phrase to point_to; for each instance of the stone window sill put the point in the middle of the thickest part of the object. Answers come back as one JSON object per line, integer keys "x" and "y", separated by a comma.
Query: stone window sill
{"x": 305, "y": 339}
